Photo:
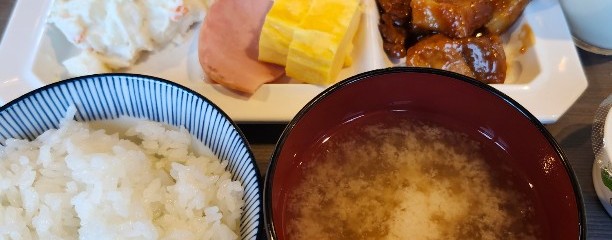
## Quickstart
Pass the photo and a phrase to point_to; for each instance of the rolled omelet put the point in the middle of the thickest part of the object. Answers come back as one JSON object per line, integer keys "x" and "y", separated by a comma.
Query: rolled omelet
{"x": 315, "y": 49}
{"x": 277, "y": 32}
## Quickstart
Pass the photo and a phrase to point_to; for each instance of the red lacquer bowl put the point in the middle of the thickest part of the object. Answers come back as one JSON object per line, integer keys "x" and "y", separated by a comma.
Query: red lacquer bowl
{"x": 445, "y": 98}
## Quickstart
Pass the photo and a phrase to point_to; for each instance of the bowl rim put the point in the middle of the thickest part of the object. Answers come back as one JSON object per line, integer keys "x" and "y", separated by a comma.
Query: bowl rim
{"x": 258, "y": 180}
{"x": 268, "y": 211}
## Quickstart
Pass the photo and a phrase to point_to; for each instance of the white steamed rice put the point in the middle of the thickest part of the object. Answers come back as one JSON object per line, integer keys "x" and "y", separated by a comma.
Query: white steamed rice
{"x": 79, "y": 182}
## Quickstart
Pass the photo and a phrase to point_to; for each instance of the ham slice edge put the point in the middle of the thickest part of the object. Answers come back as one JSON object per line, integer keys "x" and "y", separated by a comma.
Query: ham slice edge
{"x": 228, "y": 45}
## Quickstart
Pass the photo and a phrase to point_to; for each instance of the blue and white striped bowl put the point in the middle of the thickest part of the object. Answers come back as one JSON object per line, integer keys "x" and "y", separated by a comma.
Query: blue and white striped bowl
{"x": 108, "y": 96}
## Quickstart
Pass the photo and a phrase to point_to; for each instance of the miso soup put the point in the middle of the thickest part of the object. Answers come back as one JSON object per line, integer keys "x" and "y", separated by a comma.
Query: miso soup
{"x": 384, "y": 178}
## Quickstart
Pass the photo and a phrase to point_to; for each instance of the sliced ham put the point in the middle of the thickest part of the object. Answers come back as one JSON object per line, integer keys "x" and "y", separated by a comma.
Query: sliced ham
{"x": 228, "y": 45}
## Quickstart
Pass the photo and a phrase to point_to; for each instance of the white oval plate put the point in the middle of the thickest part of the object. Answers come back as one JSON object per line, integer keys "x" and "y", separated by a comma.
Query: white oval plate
{"x": 546, "y": 80}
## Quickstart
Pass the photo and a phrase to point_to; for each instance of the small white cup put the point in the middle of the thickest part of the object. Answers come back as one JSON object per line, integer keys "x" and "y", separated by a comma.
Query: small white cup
{"x": 590, "y": 22}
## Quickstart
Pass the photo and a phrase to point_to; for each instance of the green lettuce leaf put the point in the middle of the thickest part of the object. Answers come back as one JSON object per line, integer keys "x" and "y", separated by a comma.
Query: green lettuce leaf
{"x": 606, "y": 178}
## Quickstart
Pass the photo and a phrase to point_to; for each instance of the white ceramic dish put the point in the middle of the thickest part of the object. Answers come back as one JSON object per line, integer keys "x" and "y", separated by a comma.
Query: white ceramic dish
{"x": 602, "y": 182}
{"x": 546, "y": 80}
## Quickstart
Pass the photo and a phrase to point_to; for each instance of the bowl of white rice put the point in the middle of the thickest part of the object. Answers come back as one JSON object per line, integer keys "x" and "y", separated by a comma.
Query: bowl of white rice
{"x": 124, "y": 156}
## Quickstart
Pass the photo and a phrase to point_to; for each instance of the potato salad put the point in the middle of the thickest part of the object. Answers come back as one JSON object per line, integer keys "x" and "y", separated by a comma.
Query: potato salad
{"x": 112, "y": 34}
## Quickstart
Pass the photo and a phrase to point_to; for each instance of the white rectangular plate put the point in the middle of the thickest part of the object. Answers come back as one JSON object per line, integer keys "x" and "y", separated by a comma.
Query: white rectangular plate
{"x": 546, "y": 80}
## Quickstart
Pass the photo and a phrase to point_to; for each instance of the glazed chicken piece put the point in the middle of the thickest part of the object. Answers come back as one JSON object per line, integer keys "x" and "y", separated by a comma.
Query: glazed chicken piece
{"x": 394, "y": 37}
{"x": 441, "y": 52}
{"x": 505, "y": 13}
{"x": 481, "y": 58}
{"x": 486, "y": 58}
{"x": 397, "y": 10}
{"x": 394, "y": 17}
{"x": 454, "y": 18}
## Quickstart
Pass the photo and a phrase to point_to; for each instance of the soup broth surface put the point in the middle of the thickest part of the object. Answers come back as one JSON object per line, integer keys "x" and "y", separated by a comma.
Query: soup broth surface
{"x": 387, "y": 179}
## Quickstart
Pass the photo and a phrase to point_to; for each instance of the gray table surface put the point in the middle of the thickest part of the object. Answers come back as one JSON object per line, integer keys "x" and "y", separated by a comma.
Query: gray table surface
{"x": 572, "y": 131}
